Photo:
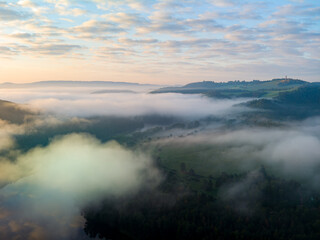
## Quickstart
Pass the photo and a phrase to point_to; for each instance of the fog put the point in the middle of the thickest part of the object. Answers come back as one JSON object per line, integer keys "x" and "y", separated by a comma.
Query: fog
{"x": 83, "y": 102}
{"x": 291, "y": 151}
{"x": 47, "y": 187}
{"x": 243, "y": 195}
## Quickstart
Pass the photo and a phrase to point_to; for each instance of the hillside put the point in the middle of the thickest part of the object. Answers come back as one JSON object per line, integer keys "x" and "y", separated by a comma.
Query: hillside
{"x": 14, "y": 113}
{"x": 300, "y": 103}
{"x": 306, "y": 96}
{"x": 234, "y": 89}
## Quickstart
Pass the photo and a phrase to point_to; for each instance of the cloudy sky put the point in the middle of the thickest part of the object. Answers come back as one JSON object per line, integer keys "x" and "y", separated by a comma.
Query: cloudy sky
{"x": 163, "y": 42}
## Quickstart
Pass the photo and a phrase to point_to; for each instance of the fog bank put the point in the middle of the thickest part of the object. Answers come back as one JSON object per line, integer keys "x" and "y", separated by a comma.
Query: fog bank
{"x": 80, "y": 102}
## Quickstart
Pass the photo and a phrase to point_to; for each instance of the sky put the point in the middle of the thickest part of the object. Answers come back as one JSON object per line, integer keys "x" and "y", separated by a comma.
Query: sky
{"x": 159, "y": 42}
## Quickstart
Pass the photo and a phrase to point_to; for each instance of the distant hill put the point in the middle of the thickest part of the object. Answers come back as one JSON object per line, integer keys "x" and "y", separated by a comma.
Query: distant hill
{"x": 233, "y": 89}
{"x": 73, "y": 84}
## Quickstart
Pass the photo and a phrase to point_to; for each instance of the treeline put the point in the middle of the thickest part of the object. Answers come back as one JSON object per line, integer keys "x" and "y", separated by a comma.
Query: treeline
{"x": 262, "y": 207}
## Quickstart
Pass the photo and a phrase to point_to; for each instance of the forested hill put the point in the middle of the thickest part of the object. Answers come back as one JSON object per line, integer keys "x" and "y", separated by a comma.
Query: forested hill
{"x": 234, "y": 89}
{"x": 274, "y": 83}
{"x": 300, "y": 103}
{"x": 306, "y": 95}
{"x": 14, "y": 113}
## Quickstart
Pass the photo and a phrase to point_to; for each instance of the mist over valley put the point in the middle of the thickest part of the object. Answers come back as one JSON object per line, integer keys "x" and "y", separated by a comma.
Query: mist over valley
{"x": 70, "y": 154}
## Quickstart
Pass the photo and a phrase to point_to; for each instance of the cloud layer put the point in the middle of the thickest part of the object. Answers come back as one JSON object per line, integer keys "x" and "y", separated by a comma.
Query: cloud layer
{"x": 134, "y": 39}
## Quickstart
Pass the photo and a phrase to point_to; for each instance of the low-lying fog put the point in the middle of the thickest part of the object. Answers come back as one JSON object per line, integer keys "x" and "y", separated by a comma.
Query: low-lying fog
{"x": 117, "y": 101}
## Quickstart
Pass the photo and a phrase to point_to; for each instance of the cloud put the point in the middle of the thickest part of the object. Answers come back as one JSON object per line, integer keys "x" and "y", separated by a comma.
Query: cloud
{"x": 47, "y": 187}
{"x": 223, "y": 3}
{"x": 98, "y": 27}
{"x": 56, "y": 49}
{"x": 73, "y": 12}
{"x": 37, "y": 48}
{"x": 126, "y": 19}
{"x": 7, "y": 51}
{"x": 27, "y": 3}
{"x": 22, "y": 35}
{"x": 138, "y": 42}
{"x": 265, "y": 35}
{"x": 7, "y": 14}
{"x": 297, "y": 10}
{"x": 116, "y": 51}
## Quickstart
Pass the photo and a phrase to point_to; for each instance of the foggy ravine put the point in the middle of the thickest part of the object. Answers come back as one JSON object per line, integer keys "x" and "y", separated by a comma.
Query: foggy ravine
{"x": 45, "y": 186}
